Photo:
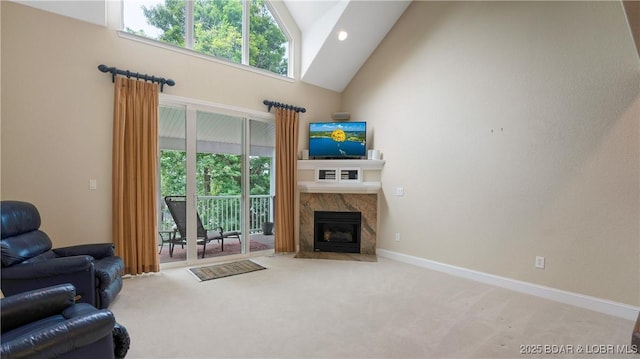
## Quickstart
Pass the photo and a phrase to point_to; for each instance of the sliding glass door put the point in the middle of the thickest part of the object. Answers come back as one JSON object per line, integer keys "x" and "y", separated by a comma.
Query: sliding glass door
{"x": 217, "y": 185}
{"x": 219, "y": 199}
{"x": 172, "y": 129}
{"x": 261, "y": 184}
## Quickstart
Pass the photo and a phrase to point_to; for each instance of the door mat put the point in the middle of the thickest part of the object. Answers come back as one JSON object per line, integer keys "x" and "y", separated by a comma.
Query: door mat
{"x": 225, "y": 270}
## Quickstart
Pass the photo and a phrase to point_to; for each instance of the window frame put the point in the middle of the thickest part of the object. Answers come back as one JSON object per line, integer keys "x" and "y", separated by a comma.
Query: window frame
{"x": 189, "y": 39}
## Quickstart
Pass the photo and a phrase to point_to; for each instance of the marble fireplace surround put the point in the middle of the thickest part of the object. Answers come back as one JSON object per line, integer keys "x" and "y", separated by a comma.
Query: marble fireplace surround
{"x": 339, "y": 194}
{"x": 366, "y": 204}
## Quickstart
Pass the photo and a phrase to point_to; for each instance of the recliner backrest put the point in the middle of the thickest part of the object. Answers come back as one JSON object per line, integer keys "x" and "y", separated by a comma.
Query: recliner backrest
{"x": 20, "y": 231}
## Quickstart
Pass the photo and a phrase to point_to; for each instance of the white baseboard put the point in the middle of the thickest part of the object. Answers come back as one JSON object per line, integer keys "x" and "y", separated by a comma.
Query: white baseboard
{"x": 605, "y": 306}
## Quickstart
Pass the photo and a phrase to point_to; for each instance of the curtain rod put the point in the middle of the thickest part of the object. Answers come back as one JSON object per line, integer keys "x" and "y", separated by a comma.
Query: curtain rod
{"x": 114, "y": 71}
{"x": 283, "y": 105}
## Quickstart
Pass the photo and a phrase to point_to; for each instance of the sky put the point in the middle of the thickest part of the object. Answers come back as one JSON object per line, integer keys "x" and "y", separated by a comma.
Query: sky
{"x": 345, "y": 126}
{"x": 134, "y": 18}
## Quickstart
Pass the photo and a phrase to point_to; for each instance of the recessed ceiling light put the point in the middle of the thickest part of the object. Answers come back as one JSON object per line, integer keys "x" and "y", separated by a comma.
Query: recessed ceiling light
{"x": 342, "y": 35}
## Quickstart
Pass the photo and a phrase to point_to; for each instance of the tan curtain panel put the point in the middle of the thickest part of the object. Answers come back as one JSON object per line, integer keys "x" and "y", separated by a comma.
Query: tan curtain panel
{"x": 286, "y": 179}
{"x": 135, "y": 148}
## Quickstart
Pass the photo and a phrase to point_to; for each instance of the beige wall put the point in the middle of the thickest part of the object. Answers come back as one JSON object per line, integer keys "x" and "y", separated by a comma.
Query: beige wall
{"x": 514, "y": 130}
{"x": 513, "y": 127}
{"x": 57, "y": 113}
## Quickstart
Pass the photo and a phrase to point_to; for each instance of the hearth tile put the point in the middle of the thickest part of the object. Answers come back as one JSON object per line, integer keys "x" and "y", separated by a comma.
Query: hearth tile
{"x": 338, "y": 256}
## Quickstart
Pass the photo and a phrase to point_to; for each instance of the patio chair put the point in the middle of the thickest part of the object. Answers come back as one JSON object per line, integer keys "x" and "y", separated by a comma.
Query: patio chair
{"x": 178, "y": 208}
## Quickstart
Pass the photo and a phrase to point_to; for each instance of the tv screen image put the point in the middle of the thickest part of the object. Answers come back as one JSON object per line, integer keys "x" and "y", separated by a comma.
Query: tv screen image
{"x": 338, "y": 139}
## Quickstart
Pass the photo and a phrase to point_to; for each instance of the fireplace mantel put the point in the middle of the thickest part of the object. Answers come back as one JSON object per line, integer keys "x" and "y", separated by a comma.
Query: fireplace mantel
{"x": 359, "y": 176}
{"x": 364, "y": 164}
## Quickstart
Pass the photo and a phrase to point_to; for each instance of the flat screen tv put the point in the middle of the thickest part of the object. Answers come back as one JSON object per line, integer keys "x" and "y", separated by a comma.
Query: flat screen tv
{"x": 337, "y": 139}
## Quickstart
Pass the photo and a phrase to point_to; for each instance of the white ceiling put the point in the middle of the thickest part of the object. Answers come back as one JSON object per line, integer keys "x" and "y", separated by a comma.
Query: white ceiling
{"x": 326, "y": 61}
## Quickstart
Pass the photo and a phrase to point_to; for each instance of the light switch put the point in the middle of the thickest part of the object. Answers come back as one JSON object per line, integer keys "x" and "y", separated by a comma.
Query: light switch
{"x": 93, "y": 184}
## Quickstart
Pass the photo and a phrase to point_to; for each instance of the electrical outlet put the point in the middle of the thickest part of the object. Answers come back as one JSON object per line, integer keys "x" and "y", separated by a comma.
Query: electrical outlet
{"x": 399, "y": 191}
{"x": 397, "y": 237}
{"x": 540, "y": 262}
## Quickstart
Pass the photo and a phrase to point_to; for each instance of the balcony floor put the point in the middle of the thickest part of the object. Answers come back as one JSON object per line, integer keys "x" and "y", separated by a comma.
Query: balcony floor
{"x": 259, "y": 242}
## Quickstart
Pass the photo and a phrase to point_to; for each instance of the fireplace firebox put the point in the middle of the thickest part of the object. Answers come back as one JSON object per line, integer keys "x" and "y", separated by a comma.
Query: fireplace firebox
{"x": 337, "y": 231}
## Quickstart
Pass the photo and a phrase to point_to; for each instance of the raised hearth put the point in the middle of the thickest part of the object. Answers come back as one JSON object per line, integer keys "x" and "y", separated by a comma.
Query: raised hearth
{"x": 338, "y": 256}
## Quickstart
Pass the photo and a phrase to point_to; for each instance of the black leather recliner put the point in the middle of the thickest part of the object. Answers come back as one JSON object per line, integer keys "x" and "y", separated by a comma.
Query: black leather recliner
{"x": 47, "y": 323}
{"x": 28, "y": 262}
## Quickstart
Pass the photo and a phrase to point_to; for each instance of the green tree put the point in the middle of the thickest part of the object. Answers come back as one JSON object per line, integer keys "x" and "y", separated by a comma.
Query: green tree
{"x": 173, "y": 175}
{"x": 260, "y": 175}
{"x": 170, "y": 18}
{"x": 218, "y": 28}
{"x": 218, "y": 31}
{"x": 266, "y": 40}
{"x": 217, "y": 174}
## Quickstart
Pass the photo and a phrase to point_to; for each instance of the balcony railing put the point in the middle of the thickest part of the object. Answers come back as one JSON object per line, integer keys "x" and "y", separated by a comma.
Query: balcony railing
{"x": 225, "y": 211}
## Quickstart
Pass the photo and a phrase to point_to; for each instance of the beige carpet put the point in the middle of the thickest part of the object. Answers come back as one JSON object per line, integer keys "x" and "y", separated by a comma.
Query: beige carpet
{"x": 316, "y": 308}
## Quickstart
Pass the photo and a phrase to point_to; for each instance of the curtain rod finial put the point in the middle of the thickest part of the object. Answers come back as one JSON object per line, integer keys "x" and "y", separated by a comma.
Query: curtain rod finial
{"x": 269, "y": 104}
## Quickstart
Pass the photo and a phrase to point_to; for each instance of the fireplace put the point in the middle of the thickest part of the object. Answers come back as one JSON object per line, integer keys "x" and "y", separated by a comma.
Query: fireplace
{"x": 336, "y": 231}
{"x": 366, "y": 204}
{"x": 340, "y": 195}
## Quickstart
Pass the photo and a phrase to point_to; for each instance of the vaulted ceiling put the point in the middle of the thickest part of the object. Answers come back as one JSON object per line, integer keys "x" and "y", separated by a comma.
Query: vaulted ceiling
{"x": 328, "y": 62}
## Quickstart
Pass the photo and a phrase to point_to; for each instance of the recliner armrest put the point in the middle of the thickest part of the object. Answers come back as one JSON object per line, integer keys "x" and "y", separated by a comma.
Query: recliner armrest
{"x": 49, "y": 268}
{"x": 27, "y": 307}
{"x": 96, "y": 250}
{"x": 62, "y": 337}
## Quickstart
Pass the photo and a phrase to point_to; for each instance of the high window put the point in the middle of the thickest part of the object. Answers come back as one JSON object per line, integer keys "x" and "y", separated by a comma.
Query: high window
{"x": 240, "y": 31}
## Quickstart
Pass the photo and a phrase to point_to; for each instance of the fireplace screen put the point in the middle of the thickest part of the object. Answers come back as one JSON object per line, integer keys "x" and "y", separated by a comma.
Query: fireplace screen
{"x": 337, "y": 231}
